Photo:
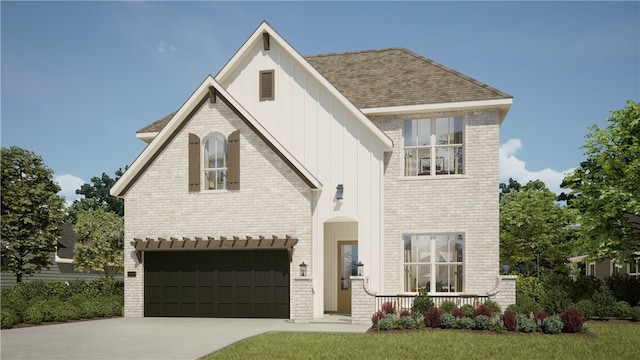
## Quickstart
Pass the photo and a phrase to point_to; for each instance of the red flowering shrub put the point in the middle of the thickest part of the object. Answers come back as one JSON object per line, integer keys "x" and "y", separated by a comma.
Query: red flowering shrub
{"x": 388, "y": 308}
{"x": 509, "y": 320}
{"x": 573, "y": 320}
{"x": 482, "y": 309}
{"x": 458, "y": 313}
{"x": 432, "y": 317}
{"x": 376, "y": 317}
{"x": 405, "y": 312}
{"x": 539, "y": 317}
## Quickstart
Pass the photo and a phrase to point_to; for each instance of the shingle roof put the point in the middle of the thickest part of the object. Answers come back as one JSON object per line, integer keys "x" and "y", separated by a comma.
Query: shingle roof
{"x": 389, "y": 77}
{"x": 397, "y": 77}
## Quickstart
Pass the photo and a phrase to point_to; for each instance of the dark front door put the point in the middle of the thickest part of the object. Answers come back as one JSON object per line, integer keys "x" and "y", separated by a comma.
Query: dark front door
{"x": 241, "y": 283}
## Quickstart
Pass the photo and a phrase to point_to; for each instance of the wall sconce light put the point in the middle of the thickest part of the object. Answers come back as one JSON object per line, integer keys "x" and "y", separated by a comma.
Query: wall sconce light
{"x": 360, "y": 268}
{"x": 339, "y": 191}
{"x": 303, "y": 269}
{"x": 505, "y": 267}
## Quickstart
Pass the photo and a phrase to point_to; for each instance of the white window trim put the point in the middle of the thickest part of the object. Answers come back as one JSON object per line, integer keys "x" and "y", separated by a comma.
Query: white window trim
{"x": 205, "y": 169}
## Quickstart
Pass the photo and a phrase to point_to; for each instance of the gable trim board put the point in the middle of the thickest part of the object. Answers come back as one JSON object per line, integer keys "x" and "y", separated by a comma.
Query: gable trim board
{"x": 257, "y": 36}
{"x": 182, "y": 116}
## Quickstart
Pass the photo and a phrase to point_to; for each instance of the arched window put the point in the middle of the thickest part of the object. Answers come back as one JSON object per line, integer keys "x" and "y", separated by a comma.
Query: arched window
{"x": 215, "y": 162}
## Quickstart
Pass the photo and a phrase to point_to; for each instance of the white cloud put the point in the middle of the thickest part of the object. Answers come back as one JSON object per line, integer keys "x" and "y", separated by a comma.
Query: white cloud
{"x": 68, "y": 186}
{"x": 164, "y": 47}
{"x": 512, "y": 167}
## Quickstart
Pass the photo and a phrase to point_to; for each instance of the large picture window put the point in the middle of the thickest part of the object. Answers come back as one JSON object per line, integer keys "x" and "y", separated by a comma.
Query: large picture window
{"x": 433, "y": 146}
{"x": 433, "y": 262}
{"x": 215, "y": 162}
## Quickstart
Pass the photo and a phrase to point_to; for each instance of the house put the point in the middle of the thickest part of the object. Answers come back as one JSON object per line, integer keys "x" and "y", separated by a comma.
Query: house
{"x": 62, "y": 266}
{"x": 381, "y": 158}
{"x": 603, "y": 268}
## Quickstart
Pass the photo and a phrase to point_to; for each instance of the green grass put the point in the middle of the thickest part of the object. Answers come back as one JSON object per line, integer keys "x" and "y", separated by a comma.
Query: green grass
{"x": 611, "y": 341}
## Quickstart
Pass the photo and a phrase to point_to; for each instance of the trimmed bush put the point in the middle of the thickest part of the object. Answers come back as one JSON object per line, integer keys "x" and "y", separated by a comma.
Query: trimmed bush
{"x": 482, "y": 322}
{"x": 386, "y": 323}
{"x": 587, "y": 308}
{"x": 573, "y": 320}
{"x": 468, "y": 310}
{"x": 555, "y": 300}
{"x": 8, "y": 318}
{"x": 635, "y": 313}
{"x": 432, "y": 318}
{"x": 447, "y": 306}
{"x": 525, "y": 324}
{"x": 407, "y": 322}
{"x": 584, "y": 288}
{"x": 509, "y": 320}
{"x": 448, "y": 321}
{"x": 539, "y": 317}
{"x": 458, "y": 313}
{"x": 622, "y": 310}
{"x": 494, "y": 307}
{"x": 552, "y": 325}
{"x": 526, "y": 305}
{"x": 377, "y": 316}
{"x": 482, "y": 309}
{"x": 604, "y": 302}
{"x": 421, "y": 303}
{"x": 624, "y": 288}
{"x": 405, "y": 312}
{"x": 466, "y": 323}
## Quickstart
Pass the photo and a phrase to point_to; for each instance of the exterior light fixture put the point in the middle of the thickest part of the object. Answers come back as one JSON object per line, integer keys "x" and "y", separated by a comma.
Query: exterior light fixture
{"x": 505, "y": 267}
{"x": 360, "y": 268}
{"x": 303, "y": 269}
{"x": 339, "y": 191}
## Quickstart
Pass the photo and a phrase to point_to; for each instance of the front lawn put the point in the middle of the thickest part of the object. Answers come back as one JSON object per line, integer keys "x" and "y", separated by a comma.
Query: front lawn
{"x": 606, "y": 341}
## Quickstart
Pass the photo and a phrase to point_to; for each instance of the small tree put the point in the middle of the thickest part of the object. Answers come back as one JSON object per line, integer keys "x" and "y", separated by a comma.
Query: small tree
{"x": 99, "y": 242}
{"x": 31, "y": 212}
{"x": 96, "y": 196}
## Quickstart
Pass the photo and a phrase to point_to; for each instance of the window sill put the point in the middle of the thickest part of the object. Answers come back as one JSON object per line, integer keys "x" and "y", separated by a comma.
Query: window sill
{"x": 432, "y": 177}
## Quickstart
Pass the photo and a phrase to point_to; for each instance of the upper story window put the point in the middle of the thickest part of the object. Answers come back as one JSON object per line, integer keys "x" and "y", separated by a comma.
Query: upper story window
{"x": 215, "y": 162}
{"x": 433, "y": 146}
{"x": 433, "y": 262}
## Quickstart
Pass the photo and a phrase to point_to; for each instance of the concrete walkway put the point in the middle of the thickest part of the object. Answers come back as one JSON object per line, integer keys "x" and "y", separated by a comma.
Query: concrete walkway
{"x": 148, "y": 338}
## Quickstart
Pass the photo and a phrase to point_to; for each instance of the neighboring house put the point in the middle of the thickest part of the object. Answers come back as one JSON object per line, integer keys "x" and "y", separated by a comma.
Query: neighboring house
{"x": 602, "y": 268}
{"x": 62, "y": 267}
{"x": 378, "y": 157}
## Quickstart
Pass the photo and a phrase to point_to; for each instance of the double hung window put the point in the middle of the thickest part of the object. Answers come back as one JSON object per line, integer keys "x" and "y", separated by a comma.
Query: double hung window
{"x": 433, "y": 146}
{"x": 433, "y": 262}
{"x": 215, "y": 162}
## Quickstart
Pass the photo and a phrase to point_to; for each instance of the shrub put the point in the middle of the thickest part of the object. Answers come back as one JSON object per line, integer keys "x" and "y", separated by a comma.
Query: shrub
{"x": 539, "y": 317}
{"x": 466, "y": 323}
{"x": 509, "y": 320}
{"x": 34, "y": 315}
{"x": 622, "y": 310}
{"x": 555, "y": 300}
{"x": 58, "y": 289}
{"x": 405, "y": 312}
{"x": 584, "y": 288}
{"x": 552, "y": 325}
{"x": 573, "y": 320}
{"x": 494, "y": 307}
{"x": 458, "y": 313}
{"x": 386, "y": 323}
{"x": 513, "y": 308}
{"x": 482, "y": 309}
{"x": 526, "y": 305}
{"x": 8, "y": 318}
{"x": 586, "y": 307}
{"x": 482, "y": 322}
{"x": 525, "y": 323}
{"x": 635, "y": 313}
{"x": 468, "y": 310}
{"x": 447, "y": 306}
{"x": 432, "y": 317}
{"x": 624, "y": 288}
{"x": 377, "y": 316}
{"x": 406, "y": 322}
{"x": 448, "y": 321}
{"x": 529, "y": 287}
{"x": 421, "y": 303}
{"x": 604, "y": 302}
{"x": 388, "y": 308}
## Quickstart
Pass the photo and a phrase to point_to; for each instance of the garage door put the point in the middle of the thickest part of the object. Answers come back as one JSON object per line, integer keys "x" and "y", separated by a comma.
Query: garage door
{"x": 242, "y": 283}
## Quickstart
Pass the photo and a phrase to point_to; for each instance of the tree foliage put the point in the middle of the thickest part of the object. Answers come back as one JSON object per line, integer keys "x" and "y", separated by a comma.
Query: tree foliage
{"x": 535, "y": 230}
{"x": 605, "y": 188}
{"x": 31, "y": 212}
{"x": 99, "y": 242}
{"x": 96, "y": 196}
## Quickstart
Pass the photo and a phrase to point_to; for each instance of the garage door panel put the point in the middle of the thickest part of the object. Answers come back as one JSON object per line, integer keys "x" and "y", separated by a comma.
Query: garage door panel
{"x": 217, "y": 284}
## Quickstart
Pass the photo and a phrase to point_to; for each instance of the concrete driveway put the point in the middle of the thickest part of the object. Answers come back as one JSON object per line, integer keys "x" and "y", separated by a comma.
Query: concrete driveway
{"x": 148, "y": 338}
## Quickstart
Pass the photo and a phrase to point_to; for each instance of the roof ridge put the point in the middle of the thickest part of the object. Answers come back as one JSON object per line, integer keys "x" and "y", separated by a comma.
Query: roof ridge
{"x": 353, "y": 52}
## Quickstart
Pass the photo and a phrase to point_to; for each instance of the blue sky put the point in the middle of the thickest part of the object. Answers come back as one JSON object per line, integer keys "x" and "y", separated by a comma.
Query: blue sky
{"x": 79, "y": 78}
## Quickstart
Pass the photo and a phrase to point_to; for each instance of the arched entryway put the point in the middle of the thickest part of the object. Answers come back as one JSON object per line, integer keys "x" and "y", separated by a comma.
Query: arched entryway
{"x": 340, "y": 260}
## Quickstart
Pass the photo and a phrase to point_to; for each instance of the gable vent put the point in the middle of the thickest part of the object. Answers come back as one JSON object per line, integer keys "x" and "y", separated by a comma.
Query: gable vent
{"x": 267, "y": 85}
{"x": 265, "y": 41}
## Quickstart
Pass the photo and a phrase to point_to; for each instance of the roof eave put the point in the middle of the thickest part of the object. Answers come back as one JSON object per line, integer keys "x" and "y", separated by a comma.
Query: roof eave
{"x": 503, "y": 105}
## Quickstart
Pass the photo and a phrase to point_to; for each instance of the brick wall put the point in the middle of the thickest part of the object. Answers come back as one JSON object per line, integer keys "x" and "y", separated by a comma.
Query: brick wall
{"x": 272, "y": 199}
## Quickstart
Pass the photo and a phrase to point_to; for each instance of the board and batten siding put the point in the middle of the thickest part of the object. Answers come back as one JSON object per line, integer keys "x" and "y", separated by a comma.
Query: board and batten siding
{"x": 329, "y": 140}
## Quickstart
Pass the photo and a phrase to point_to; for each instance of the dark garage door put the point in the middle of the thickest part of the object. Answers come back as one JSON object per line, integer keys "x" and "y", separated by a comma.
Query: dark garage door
{"x": 241, "y": 283}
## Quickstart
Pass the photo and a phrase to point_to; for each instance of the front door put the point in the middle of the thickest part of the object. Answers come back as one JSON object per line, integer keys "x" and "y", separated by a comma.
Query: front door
{"x": 347, "y": 267}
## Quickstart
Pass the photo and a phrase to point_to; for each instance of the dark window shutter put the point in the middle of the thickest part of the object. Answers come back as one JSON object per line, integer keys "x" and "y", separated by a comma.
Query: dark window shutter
{"x": 267, "y": 85}
{"x": 194, "y": 163}
{"x": 233, "y": 156}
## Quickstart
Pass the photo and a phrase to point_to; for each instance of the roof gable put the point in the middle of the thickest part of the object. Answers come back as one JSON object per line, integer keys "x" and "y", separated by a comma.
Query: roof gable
{"x": 400, "y": 77}
{"x": 174, "y": 124}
